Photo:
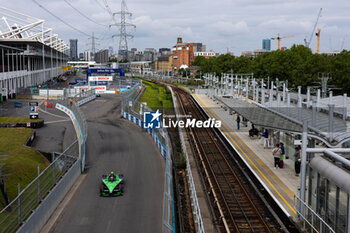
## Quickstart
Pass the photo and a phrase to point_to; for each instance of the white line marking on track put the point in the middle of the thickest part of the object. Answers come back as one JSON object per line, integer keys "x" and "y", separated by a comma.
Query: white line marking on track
{"x": 52, "y": 114}
{"x": 108, "y": 226}
{"x": 52, "y": 122}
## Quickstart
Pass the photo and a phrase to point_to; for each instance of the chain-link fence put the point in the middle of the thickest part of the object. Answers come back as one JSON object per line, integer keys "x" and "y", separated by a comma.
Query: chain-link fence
{"x": 14, "y": 214}
{"x": 71, "y": 108}
{"x": 84, "y": 94}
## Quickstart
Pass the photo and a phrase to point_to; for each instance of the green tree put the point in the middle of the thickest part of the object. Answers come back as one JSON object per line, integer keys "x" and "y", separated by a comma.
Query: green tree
{"x": 298, "y": 65}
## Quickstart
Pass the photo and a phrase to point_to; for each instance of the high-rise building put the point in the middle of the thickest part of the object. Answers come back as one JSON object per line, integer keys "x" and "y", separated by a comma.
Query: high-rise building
{"x": 199, "y": 47}
{"x": 88, "y": 55}
{"x": 182, "y": 55}
{"x": 102, "y": 56}
{"x": 73, "y": 49}
{"x": 266, "y": 44}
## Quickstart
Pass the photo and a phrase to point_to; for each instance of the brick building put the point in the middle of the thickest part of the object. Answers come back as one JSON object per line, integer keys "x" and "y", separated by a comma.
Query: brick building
{"x": 163, "y": 64}
{"x": 182, "y": 55}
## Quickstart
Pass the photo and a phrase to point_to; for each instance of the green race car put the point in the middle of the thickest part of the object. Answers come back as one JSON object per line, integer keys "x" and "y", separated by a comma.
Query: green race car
{"x": 112, "y": 185}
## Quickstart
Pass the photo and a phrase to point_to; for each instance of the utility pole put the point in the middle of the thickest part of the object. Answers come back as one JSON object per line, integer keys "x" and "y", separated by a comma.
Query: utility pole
{"x": 123, "y": 35}
{"x": 93, "y": 46}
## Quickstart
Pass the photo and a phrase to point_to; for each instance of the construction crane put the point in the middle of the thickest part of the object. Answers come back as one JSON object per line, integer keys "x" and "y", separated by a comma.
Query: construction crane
{"x": 307, "y": 43}
{"x": 318, "y": 41}
{"x": 278, "y": 38}
{"x": 342, "y": 44}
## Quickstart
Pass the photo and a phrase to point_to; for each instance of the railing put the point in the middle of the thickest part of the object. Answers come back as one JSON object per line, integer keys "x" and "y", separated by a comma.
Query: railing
{"x": 311, "y": 220}
{"x": 84, "y": 94}
{"x": 14, "y": 214}
{"x": 81, "y": 127}
{"x": 192, "y": 187}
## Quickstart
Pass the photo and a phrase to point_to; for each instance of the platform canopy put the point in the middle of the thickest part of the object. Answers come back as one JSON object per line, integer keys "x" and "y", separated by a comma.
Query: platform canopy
{"x": 291, "y": 120}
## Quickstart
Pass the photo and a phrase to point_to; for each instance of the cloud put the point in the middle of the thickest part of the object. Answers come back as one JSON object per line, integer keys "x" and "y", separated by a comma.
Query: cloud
{"x": 218, "y": 24}
{"x": 225, "y": 28}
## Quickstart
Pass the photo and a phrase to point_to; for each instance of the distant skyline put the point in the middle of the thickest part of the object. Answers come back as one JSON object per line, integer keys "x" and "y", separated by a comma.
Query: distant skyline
{"x": 240, "y": 25}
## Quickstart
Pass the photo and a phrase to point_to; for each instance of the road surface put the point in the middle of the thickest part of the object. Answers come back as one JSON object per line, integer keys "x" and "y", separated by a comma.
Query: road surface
{"x": 115, "y": 144}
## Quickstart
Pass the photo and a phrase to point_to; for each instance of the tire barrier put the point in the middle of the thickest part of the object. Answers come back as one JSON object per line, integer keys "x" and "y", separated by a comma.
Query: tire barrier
{"x": 34, "y": 125}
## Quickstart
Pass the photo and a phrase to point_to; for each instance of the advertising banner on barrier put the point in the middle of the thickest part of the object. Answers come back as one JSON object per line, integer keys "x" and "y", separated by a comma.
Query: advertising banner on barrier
{"x": 100, "y": 89}
{"x": 98, "y": 83}
{"x": 100, "y": 78}
{"x": 85, "y": 88}
{"x": 51, "y": 92}
{"x": 84, "y": 101}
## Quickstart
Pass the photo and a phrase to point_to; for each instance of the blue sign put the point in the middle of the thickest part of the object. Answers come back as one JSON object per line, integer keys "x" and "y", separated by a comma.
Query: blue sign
{"x": 33, "y": 112}
{"x": 151, "y": 120}
{"x": 106, "y": 71}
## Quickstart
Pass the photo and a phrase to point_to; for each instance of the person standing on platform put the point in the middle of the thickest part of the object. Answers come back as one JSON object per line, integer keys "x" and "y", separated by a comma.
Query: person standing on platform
{"x": 276, "y": 152}
{"x": 297, "y": 162}
{"x": 238, "y": 119}
{"x": 282, "y": 154}
{"x": 266, "y": 139}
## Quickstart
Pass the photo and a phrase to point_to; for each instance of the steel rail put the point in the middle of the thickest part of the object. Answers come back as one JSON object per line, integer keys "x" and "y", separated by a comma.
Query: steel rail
{"x": 204, "y": 148}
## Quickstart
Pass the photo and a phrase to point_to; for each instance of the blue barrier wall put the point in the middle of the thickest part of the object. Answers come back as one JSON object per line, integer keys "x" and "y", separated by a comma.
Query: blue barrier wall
{"x": 139, "y": 122}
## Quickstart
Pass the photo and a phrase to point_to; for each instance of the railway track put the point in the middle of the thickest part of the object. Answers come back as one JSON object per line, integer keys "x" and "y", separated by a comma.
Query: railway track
{"x": 235, "y": 206}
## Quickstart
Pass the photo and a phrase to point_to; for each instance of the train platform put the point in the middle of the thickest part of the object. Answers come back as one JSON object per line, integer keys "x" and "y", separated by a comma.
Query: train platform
{"x": 282, "y": 184}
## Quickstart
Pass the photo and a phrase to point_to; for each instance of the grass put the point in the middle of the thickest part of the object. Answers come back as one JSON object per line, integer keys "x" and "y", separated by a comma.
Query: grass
{"x": 157, "y": 96}
{"x": 12, "y": 120}
{"x": 22, "y": 162}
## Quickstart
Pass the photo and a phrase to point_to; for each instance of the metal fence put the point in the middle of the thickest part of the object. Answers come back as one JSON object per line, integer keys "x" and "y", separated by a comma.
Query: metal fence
{"x": 14, "y": 214}
{"x": 311, "y": 221}
{"x": 133, "y": 110}
{"x": 193, "y": 194}
{"x": 82, "y": 130}
{"x": 28, "y": 199}
{"x": 84, "y": 94}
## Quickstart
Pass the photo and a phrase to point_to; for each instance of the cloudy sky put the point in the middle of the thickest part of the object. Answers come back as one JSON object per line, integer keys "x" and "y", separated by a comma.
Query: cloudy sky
{"x": 239, "y": 25}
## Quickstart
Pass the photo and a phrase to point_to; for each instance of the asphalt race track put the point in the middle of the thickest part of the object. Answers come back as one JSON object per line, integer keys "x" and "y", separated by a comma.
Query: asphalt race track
{"x": 115, "y": 144}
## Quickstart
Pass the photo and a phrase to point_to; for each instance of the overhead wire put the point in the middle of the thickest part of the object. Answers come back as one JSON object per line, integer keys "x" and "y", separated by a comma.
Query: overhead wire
{"x": 82, "y": 14}
{"x": 64, "y": 22}
{"x": 108, "y": 9}
{"x": 98, "y": 3}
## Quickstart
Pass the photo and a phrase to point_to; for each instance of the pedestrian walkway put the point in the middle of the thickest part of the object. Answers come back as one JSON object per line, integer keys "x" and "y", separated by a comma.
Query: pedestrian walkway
{"x": 282, "y": 184}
